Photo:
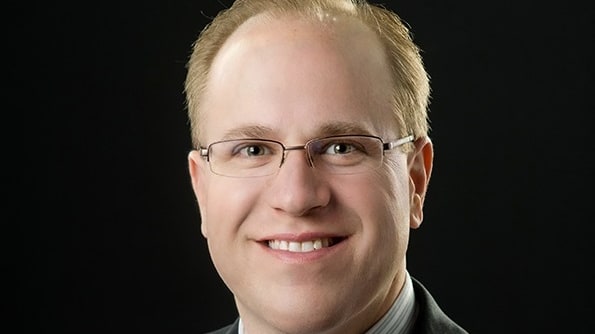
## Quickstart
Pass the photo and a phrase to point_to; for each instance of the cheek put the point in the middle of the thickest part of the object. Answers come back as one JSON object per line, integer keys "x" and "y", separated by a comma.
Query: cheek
{"x": 385, "y": 202}
{"x": 381, "y": 199}
{"x": 227, "y": 206}
{"x": 381, "y": 204}
{"x": 395, "y": 178}
{"x": 228, "y": 203}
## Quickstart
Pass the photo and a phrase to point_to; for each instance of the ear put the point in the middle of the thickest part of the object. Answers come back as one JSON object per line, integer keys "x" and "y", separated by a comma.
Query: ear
{"x": 420, "y": 163}
{"x": 196, "y": 167}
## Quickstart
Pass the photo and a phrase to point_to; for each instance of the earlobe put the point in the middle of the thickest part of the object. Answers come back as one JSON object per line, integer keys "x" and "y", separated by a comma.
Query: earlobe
{"x": 420, "y": 163}
{"x": 195, "y": 168}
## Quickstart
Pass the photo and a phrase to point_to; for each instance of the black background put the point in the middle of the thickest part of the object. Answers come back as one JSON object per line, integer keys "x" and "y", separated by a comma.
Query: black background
{"x": 107, "y": 237}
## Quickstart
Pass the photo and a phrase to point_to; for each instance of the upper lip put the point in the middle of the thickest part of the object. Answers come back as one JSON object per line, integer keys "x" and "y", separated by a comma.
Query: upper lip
{"x": 301, "y": 237}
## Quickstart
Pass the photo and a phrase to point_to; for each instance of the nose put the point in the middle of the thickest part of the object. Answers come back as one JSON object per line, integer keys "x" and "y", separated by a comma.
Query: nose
{"x": 297, "y": 189}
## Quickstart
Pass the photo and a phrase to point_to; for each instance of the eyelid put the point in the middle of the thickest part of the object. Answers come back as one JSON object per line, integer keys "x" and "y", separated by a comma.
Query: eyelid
{"x": 351, "y": 149}
{"x": 270, "y": 147}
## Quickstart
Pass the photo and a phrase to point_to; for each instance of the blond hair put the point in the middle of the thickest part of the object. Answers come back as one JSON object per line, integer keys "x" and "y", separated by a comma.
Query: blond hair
{"x": 411, "y": 92}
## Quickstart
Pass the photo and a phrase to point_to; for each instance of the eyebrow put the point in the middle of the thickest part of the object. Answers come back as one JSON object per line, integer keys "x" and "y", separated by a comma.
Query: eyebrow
{"x": 327, "y": 129}
{"x": 248, "y": 131}
{"x": 342, "y": 128}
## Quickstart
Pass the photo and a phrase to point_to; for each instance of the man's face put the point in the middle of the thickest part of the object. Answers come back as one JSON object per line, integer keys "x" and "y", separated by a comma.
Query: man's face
{"x": 292, "y": 81}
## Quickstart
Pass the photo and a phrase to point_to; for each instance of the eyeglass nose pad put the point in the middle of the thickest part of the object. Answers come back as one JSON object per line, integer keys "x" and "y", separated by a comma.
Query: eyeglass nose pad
{"x": 309, "y": 158}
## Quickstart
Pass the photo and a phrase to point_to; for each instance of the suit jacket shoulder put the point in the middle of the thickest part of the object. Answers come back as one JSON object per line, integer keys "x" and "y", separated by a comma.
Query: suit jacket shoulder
{"x": 430, "y": 318}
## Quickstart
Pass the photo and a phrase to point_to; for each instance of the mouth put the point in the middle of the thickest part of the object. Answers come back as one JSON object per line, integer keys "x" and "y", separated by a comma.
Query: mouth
{"x": 303, "y": 246}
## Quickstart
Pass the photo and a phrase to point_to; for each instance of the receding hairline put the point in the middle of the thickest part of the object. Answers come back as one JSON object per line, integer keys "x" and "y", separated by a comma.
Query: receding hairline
{"x": 411, "y": 92}
{"x": 327, "y": 17}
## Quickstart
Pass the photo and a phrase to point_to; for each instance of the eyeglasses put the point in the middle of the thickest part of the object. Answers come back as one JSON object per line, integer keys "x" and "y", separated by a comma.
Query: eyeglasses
{"x": 334, "y": 155}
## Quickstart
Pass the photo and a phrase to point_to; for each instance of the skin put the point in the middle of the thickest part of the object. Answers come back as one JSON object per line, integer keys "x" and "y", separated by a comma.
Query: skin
{"x": 293, "y": 80}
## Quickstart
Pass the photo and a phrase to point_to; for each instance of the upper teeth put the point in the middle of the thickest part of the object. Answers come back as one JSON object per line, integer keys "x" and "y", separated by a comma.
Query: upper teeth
{"x": 295, "y": 246}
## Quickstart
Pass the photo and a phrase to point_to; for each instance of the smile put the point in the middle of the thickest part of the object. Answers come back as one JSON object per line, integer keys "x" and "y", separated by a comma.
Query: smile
{"x": 301, "y": 247}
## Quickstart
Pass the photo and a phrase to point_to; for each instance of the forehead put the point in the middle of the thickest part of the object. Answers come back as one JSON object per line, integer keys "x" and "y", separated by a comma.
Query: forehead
{"x": 290, "y": 72}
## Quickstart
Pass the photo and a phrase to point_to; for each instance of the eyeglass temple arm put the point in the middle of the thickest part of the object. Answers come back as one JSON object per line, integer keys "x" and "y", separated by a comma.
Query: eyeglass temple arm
{"x": 392, "y": 144}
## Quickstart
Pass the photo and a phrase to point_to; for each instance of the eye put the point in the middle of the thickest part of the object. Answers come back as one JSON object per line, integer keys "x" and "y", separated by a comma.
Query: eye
{"x": 247, "y": 149}
{"x": 253, "y": 150}
{"x": 340, "y": 148}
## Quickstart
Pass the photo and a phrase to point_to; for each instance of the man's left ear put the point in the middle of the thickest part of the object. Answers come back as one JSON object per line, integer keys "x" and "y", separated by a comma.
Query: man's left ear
{"x": 419, "y": 163}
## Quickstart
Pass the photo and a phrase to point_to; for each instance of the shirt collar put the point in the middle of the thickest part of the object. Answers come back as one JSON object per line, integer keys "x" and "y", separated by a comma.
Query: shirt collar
{"x": 400, "y": 317}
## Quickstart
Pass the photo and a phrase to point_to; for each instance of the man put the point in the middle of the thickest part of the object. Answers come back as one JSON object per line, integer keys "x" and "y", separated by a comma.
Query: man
{"x": 311, "y": 165}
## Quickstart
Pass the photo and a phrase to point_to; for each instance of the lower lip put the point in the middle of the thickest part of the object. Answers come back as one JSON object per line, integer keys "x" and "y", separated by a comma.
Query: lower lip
{"x": 304, "y": 257}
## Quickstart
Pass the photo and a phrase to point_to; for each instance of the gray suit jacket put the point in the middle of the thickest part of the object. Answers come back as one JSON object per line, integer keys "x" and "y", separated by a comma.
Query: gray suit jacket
{"x": 430, "y": 318}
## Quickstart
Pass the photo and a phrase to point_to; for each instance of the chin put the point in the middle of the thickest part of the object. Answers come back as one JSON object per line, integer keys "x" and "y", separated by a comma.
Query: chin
{"x": 307, "y": 313}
